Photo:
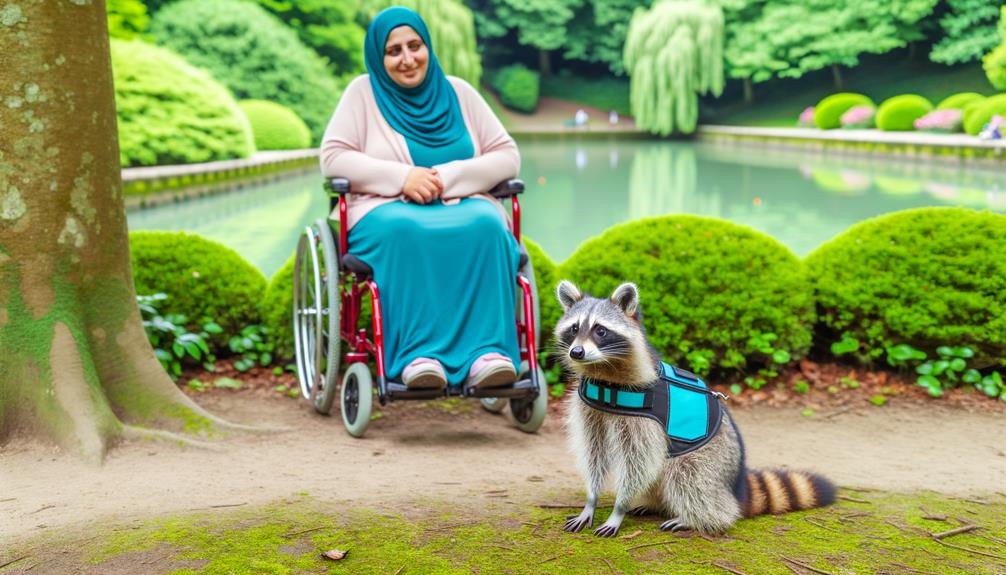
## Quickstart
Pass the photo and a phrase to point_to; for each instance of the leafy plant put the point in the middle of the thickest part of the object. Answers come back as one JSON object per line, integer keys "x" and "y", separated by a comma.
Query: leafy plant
{"x": 173, "y": 343}
{"x": 775, "y": 358}
{"x": 253, "y": 346}
{"x": 947, "y": 370}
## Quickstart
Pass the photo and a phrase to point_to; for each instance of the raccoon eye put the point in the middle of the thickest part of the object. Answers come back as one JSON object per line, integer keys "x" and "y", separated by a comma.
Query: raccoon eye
{"x": 600, "y": 331}
{"x": 574, "y": 328}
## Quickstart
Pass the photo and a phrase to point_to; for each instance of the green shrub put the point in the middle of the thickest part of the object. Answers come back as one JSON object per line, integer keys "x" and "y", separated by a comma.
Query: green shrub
{"x": 202, "y": 278}
{"x": 828, "y": 112}
{"x": 275, "y": 126}
{"x": 517, "y": 87}
{"x": 252, "y": 53}
{"x": 276, "y": 310}
{"x": 127, "y": 19}
{"x": 712, "y": 292}
{"x": 172, "y": 113}
{"x": 959, "y": 101}
{"x": 925, "y": 277}
{"x": 546, "y": 279}
{"x": 979, "y": 113}
{"x": 898, "y": 114}
{"x": 328, "y": 27}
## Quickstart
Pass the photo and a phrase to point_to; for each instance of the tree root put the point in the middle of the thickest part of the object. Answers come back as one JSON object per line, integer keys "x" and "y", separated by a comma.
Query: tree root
{"x": 133, "y": 432}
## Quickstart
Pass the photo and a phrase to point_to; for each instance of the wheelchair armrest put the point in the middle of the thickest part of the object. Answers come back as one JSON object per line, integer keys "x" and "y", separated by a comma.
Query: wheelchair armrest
{"x": 335, "y": 188}
{"x": 507, "y": 189}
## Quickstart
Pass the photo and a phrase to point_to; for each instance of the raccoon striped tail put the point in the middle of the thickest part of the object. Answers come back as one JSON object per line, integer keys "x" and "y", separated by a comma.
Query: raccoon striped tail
{"x": 781, "y": 491}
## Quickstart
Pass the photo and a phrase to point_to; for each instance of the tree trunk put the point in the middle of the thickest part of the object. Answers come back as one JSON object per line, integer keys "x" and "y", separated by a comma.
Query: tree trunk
{"x": 836, "y": 75}
{"x": 911, "y": 51}
{"x": 544, "y": 63}
{"x": 748, "y": 91}
{"x": 75, "y": 365}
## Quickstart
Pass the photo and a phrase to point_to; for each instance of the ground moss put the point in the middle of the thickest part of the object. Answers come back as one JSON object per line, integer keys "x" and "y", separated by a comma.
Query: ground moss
{"x": 867, "y": 532}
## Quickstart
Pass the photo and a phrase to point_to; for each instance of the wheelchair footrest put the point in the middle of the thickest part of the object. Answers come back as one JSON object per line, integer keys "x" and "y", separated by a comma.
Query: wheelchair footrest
{"x": 400, "y": 391}
{"x": 519, "y": 389}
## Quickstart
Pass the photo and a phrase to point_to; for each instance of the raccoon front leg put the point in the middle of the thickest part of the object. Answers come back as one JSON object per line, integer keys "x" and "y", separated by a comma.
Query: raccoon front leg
{"x": 587, "y": 435}
{"x": 639, "y": 452}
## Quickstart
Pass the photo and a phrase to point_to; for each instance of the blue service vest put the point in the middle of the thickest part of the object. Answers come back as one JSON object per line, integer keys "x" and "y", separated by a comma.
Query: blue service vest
{"x": 689, "y": 412}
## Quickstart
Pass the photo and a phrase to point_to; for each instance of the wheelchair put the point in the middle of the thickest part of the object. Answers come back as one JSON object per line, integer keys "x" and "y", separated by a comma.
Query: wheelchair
{"x": 329, "y": 287}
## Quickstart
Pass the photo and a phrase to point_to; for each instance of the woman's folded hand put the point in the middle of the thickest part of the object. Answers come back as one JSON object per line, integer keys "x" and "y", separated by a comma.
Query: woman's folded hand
{"x": 423, "y": 185}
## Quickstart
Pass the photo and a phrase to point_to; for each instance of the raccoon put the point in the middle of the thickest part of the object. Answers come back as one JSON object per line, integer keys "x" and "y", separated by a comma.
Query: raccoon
{"x": 707, "y": 489}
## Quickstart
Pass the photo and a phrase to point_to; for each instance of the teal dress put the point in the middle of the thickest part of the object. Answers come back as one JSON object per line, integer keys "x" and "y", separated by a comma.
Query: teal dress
{"x": 447, "y": 278}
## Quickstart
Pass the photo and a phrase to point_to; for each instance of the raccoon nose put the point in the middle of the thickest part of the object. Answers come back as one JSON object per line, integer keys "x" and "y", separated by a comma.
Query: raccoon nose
{"x": 576, "y": 352}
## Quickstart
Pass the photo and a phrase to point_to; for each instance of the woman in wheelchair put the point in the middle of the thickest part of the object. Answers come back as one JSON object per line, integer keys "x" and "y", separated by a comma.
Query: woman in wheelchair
{"x": 421, "y": 150}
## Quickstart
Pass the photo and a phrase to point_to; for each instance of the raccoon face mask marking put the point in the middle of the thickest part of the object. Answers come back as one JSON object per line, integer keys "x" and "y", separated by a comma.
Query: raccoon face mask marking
{"x": 597, "y": 330}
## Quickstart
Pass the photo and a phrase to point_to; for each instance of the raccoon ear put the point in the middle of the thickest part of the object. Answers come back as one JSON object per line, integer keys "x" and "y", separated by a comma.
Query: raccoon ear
{"x": 568, "y": 294}
{"x": 626, "y": 297}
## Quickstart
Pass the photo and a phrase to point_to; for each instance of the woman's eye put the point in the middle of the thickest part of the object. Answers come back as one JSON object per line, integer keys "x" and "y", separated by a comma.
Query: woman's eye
{"x": 600, "y": 331}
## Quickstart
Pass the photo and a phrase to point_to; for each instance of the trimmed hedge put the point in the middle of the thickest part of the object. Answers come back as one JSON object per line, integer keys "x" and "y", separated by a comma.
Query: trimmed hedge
{"x": 275, "y": 126}
{"x": 170, "y": 112}
{"x": 253, "y": 53}
{"x": 828, "y": 112}
{"x": 518, "y": 87}
{"x": 926, "y": 277}
{"x": 977, "y": 114}
{"x": 276, "y": 310}
{"x": 546, "y": 277}
{"x": 203, "y": 279}
{"x": 707, "y": 287}
{"x": 898, "y": 114}
{"x": 959, "y": 101}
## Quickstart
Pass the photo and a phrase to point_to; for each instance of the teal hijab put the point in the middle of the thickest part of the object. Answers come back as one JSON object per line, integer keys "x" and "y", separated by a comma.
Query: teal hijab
{"x": 428, "y": 115}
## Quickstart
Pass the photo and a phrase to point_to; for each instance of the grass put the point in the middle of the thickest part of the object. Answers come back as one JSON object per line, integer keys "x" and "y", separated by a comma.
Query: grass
{"x": 608, "y": 93}
{"x": 779, "y": 103}
{"x": 866, "y": 532}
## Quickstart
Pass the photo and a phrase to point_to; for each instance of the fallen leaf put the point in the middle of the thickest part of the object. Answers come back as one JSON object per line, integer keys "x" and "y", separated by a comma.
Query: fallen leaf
{"x": 335, "y": 554}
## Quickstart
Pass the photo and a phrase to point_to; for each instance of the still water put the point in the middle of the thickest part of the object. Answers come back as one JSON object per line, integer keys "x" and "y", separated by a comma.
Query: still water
{"x": 577, "y": 189}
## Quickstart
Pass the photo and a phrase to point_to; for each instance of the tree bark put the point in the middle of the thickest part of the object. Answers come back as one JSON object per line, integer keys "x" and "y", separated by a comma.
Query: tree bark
{"x": 76, "y": 366}
{"x": 748, "y": 91}
{"x": 836, "y": 75}
{"x": 544, "y": 63}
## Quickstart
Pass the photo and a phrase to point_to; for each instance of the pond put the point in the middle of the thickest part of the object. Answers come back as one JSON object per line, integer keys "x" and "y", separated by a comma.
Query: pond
{"x": 576, "y": 189}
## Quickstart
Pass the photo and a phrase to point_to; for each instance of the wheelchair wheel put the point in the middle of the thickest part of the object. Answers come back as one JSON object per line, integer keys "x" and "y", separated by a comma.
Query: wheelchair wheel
{"x": 493, "y": 404}
{"x": 316, "y": 315}
{"x": 528, "y": 414}
{"x": 357, "y": 398}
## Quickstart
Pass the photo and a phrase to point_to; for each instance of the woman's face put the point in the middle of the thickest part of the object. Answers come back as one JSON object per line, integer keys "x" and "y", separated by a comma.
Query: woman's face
{"x": 406, "y": 57}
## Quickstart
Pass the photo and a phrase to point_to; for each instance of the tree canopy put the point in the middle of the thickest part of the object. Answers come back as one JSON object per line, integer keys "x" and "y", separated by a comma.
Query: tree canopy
{"x": 673, "y": 53}
{"x": 327, "y": 26}
{"x": 969, "y": 31}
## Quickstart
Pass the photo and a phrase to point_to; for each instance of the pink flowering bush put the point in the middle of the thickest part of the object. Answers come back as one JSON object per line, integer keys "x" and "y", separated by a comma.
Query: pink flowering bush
{"x": 948, "y": 120}
{"x": 859, "y": 117}
{"x": 806, "y": 118}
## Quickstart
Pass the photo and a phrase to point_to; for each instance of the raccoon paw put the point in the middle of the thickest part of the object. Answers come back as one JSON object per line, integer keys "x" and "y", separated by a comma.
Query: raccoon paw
{"x": 576, "y": 523}
{"x": 674, "y": 524}
{"x": 607, "y": 530}
{"x": 641, "y": 510}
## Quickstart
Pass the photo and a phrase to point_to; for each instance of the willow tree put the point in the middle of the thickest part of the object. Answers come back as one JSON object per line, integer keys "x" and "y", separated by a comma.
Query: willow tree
{"x": 452, "y": 31}
{"x": 75, "y": 365}
{"x": 673, "y": 53}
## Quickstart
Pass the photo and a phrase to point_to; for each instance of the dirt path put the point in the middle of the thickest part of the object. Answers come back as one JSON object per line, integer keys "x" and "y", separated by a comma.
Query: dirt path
{"x": 416, "y": 452}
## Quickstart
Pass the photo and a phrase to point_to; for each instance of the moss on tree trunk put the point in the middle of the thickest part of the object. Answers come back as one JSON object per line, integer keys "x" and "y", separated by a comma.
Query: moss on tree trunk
{"x": 76, "y": 366}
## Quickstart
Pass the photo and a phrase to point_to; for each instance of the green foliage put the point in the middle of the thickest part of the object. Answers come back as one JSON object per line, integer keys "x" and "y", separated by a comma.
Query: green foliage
{"x": 546, "y": 275}
{"x": 517, "y": 87}
{"x": 127, "y": 19}
{"x": 959, "y": 101}
{"x": 947, "y": 370}
{"x": 206, "y": 281}
{"x": 828, "y": 112}
{"x": 978, "y": 113}
{"x": 172, "y": 113}
{"x": 328, "y": 27}
{"x": 900, "y": 112}
{"x": 673, "y": 53}
{"x": 542, "y": 24}
{"x": 252, "y": 53}
{"x": 994, "y": 62}
{"x": 602, "y": 93}
{"x": 275, "y": 126}
{"x": 597, "y": 33}
{"x": 253, "y": 346}
{"x": 921, "y": 277}
{"x": 452, "y": 31}
{"x": 714, "y": 294}
{"x": 276, "y": 309}
{"x": 174, "y": 345}
{"x": 968, "y": 31}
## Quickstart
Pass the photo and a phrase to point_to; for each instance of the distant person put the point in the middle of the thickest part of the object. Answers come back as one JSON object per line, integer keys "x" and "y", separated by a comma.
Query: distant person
{"x": 613, "y": 118}
{"x": 993, "y": 129}
{"x": 581, "y": 118}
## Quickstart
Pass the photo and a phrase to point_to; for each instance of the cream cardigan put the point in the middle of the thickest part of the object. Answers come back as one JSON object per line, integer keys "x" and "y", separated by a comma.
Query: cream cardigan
{"x": 360, "y": 145}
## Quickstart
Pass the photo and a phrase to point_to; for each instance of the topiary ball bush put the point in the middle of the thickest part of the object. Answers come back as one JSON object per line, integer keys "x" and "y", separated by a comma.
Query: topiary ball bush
{"x": 828, "y": 112}
{"x": 926, "y": 277}
{"x": 898, "y": 114}
{"x": 707, "y": 286}
{"x": 275, "y": 126}
{"x": 959, "y": 101}
{"x": 204, "y": 280}
{"x": 977, "y": 114}
{"x": 276, "y": 310}
{"x": 546, "y": 279}
{"x": 170, "y": 112}
{"x": 251, "y": 52}
{"x": 517, "y": 87}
